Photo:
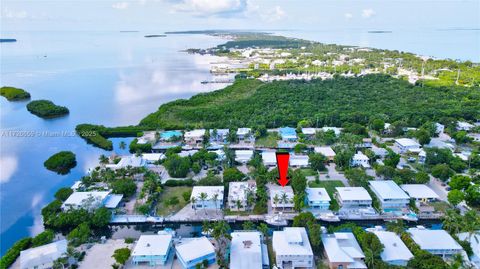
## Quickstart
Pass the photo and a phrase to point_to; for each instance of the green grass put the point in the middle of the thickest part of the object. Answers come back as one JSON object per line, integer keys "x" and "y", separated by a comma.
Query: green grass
{"x": 441, "y": 206}
{"x": 330, "y": 186}
{"x": 268, "y": 141}
{"x": 168, "y": 193}
{"x": 308, "y": 172}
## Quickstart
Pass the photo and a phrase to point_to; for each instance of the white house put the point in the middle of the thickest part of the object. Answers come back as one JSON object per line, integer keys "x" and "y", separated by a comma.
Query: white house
{"x": 326, "y": 151}
{"x": 464, "y": 126}
{"x": 220, "y": 137}
{"x": 152, "y": 249}
{"x": 474, "y": 240}
{"x": 247, "y": 251}
{"x": 437, "y": 242}
{"x": 192, "y": 251}
{"x": 128, "y": 161}
{"x": 238, "y": 192}
{"x": 318, "y": 198}
{"x": 243, "y": 156}
{"x": 336, "y": 130}
{"x": 42, "y": 257}
{"x": 309, "y": 132}
{"x": 353, "y": 197}
{"x": 360, "y": 159}
{"x": 343, "y": 251}
{"x": 380, "y": 152}
{"x": 152, "y": 157}
{"x": 292, "y": 248}
{"x": 244, "y": 134}
{"x": 213, "y": 197}
{"x": 407, "y": 145}
{"x": 298, "y": 160}
{"x": 420, "y": 192}
{"x": 395, "y": 252}
{"x": 88, "y": 199}
{"x": 390, "y": 195}
{"x": 269, "y": 158}
{"x": 281, "y": 197}
{"x": 194, "y": 136}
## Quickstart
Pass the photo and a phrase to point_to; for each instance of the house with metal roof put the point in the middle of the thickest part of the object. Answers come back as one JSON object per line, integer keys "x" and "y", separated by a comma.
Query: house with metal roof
{"x": 343, "y": 251}
{"x": 474, "y": 240}
{"x": 238, "y": 193}
{"x": 43, "y": 257}
{"x": 281, "y": 198}
{"x": 437, "y": 242}
{"x": 353, "y": 197}
{"x": 152, "y": 249}
{"x": 318, "y": 198}
{"x": 395, "y": 252}
{"x": 292, "y": 248}
{"x": 243, "y": 156}
{"x": 213, "y": 197}
{"x": 407, "y": 145}
{"x": 194, "y": 137}
{"x": 326, "y": 151}
{"x": 88, "y": 199}
{"x": 246, "y": 251}
{"x": 390, "y": 195}
{"x": 192, "y": 251}
{"x": 360, "y": 159}
{"x": 269, "y": 158}
{"x": 288, "y": 134}
{"x": 420, "y": 192}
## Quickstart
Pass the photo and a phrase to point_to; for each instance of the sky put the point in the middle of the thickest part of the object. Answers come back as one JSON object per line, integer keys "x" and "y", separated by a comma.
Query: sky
{"x": 171, "y": 15}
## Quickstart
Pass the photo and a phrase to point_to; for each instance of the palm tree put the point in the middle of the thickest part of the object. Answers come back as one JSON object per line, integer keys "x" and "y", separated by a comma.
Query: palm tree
{"x": 215, "y": 198}
{"x": 250, "y": 199}
{"x": 206, "y": 227}
{"x": 122, "y": 145}
{"x": 103, "y": 159}
{"x": 276, "y": 199}
{"x": 263, "y": 228}
{"x": 203, "y": 196}
{"x": 193, "y": 200}
{"x": 284, "y": 200}
{"x": 452, "y": 222}
{"x": 238, "y": 203}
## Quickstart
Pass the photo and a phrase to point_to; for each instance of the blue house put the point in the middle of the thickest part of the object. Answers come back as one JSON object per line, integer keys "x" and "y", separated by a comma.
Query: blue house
{"x": 152, "y": 249}
{"x": 192, "y": 251}
{"x": 288, "y": 134}
{"x": 318, "y": 198}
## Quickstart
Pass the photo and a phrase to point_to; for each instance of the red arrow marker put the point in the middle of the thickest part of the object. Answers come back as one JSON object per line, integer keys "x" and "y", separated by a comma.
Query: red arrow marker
{"x": 282, "y": 165}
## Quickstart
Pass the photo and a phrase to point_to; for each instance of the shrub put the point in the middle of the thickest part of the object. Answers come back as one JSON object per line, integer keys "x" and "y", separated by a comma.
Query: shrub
{"x": 46, "y": 109}
{"x": 14, "y": 94}
{"x": 61, "y": 162}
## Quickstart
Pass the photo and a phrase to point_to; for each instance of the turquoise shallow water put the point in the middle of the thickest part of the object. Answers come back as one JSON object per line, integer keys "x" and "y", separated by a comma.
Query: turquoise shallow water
{"x": 115, "y": 78}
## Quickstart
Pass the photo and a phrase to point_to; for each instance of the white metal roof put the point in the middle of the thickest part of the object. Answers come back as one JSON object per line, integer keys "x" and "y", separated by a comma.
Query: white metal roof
{"x": 353, "y": 193}
{"x": 79, "y": 198}
{"x": 245, "y": 250}
{"x": 195, "y": 133}
{"x": 43, "y": 254}
{"x": 342, "y": 248}
{"x": 152, "y": 245}
{"x": 209, "y": 190}
{"x": 308, "y": 131}
{"x": 359, "y": 156}
{"x": 244, "y": 131}
{"x": 269, "y": 157}
{"x": 193, "y": 248}
{"x": 243, "y": 155}
{"x": 298, "y": 160}
{"x": 286, "y": 242}
{"x": 336, "y": 130}
{"x": 433, "y": 239}
{"x": 394, "y": 248}
{"x": 419, "y": 191}
{"x": 318, "y": 194}
{"x": 407, "y": 142}
{"x": 113, "y": 200}
{"x": 387, "y": 189}
{"x": 325, "y": 151}
{"x": 153, "y": 157}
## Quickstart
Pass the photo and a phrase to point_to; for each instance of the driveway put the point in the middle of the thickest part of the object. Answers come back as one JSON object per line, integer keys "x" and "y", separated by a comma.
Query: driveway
{"x": 436, "y": 186}
{"x": 333, "y": 174}
{"x": 100, "y": 255}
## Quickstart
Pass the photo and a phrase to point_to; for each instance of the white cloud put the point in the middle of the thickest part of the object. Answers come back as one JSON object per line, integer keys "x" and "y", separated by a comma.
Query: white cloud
{"x": 13, "y": 14}
{"x": 120, "y": 5}
{"x": 9, "y": 165}
{"x": 367, "y": 13}
{"x": 209, "y": 7}
{"x": 348, "y": 15}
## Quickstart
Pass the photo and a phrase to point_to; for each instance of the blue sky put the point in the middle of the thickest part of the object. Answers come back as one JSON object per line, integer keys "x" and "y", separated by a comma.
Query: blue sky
{"x": 163, "y": 15}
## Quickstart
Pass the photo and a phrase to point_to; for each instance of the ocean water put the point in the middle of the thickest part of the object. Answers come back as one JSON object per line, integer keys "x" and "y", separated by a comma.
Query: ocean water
{"x": 115, "y": 78}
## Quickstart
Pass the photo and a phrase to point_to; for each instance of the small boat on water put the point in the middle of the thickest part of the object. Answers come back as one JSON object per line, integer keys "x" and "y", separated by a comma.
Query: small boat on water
{"x": 276, "y": 220}
{"x": 329, "y": 217}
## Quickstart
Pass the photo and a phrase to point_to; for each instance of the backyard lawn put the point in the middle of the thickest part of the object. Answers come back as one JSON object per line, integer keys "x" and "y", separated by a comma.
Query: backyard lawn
{"x": 270, "y": 140}
{"x": 167, "y": 204}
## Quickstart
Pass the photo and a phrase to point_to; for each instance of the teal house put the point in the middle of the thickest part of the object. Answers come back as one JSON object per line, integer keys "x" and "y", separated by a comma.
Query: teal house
{"x": 152, "y": 250}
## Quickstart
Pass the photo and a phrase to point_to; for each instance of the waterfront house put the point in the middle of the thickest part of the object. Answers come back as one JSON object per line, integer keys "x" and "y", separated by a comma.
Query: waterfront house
{"x": 172, "y": 135}
{"x": 281, "y": 198}
{"x": 213, "y": 197}
{"x": 464, "y": 126}
{"x": 395, "y": 252}
{"x": 292, "y": 248}
{"x": 245, "y": 134}
{"x": 326, "y": 151}
{"x": 405, "y": 145}
{"x": 309, "y": 132}
{"x": 89, "y": 200}
{"x": 269, "y": 158}
{"x": 288, "y": 134}
{"x": 437, "y": 242}
{"x": 43, "y": 257}
{"x": 318, "y": 198}
{"x": 243, "y": 156}
{"x": 194, "y": 137}
{"x": 474, "y": 240}
{"x": 219, "y": 135}
{"x": 152, "y": 249}
{"x": 390, "y": 195}
{"x": 238, "y": 193}
{"x": 360, "y": 159}
{"x": 132, "y": 161}
{"x": 148, "y": 137}
{"x": 343, "y": 251}
{"x": 151, "y": 158}
{"x": 420, "y": 192}
{"x": 193, "y": 251}
{"x": 247, "y": 251}
{"x": 353, "y": 197}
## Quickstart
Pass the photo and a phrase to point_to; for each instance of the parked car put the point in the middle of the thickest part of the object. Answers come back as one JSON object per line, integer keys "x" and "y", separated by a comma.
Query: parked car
{"x": 411, "y": 159}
